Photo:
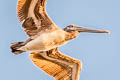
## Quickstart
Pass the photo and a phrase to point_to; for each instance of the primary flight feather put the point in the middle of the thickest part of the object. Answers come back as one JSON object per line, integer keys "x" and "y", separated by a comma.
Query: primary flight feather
{"x": 59, "y": 66}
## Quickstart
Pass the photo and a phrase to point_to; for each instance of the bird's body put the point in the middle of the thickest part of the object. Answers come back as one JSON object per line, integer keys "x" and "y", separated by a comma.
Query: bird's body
{"x": 44, "y": 37}
{"x": 46, "y": 41}
{"x": 44, "y": 34}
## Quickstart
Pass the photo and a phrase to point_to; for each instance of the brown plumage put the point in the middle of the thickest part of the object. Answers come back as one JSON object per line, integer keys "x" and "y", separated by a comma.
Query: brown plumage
{"x": 44, "y": 38}
{"x": 59, "y": 66}
{"x": 44, "y": 34}
{"x": 35, "y": 19}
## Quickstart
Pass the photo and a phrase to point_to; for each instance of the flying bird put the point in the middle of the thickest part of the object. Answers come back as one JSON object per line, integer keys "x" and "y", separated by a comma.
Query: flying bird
{"x": 45, "y": 35}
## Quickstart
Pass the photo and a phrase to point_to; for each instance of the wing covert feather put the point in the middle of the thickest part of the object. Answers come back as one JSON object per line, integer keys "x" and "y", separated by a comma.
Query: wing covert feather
{"x": 36, "y": 19}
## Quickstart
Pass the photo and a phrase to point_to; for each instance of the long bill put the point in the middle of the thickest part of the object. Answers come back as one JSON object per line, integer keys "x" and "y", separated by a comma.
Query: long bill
{"x": 81, "y": 29}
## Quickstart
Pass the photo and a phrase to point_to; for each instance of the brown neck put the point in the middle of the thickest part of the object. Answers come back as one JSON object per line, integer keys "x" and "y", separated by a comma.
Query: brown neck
{"x": 71, "y": 35}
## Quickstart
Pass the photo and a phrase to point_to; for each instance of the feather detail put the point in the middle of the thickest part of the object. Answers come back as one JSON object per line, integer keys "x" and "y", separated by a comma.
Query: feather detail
{"x": 55, "y": 69}
{"x": 22, "y": 9}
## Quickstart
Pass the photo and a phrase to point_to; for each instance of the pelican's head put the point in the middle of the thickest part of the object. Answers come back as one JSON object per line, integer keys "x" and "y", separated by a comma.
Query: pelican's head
{"x": 73, "y": 28}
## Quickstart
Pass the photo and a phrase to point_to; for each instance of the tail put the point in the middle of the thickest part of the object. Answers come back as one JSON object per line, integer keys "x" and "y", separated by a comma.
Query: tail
{"x": 16, "y": 45}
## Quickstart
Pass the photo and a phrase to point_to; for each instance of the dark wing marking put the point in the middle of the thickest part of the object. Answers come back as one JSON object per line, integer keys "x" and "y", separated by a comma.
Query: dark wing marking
{"x": 30, "y": 28}
{"x": 59, "y": 66}
{"x": 36, "y": 18}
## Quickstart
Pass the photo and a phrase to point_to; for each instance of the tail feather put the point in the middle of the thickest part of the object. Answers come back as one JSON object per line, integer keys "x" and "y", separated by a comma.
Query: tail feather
{"x": 16, "y": 45}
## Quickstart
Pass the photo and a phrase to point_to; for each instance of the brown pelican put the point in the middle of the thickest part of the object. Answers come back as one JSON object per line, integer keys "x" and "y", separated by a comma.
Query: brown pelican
{"x": 45, "y": 36}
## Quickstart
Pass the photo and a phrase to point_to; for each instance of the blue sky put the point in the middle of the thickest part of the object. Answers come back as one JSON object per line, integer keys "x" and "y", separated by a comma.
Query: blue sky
{"x": 99, "y": 53}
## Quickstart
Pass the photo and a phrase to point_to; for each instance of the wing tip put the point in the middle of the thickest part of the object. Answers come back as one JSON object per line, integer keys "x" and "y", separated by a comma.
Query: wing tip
{"x": 20, "y": 10}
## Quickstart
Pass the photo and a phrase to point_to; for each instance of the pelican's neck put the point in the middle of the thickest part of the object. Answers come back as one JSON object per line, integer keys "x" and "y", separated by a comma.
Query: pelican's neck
{"x": 71, "y": 35}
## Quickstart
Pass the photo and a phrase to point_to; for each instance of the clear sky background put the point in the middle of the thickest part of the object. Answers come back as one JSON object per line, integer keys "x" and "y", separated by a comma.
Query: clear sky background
{"x": 99, "y": 53}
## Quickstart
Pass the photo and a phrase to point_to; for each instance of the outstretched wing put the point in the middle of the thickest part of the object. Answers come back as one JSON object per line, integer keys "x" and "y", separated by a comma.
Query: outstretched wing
{"x": 59, "y": 66}
{"x": 35, "y": 17}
